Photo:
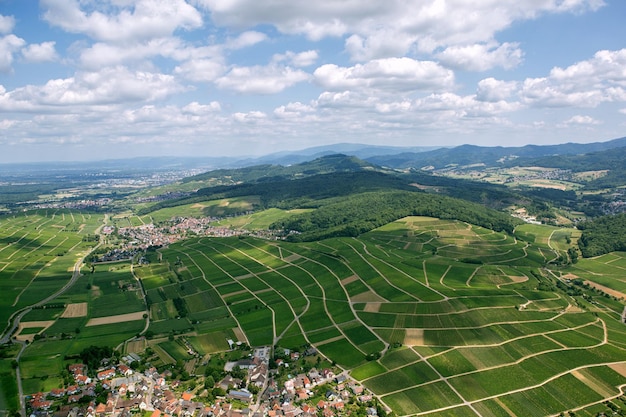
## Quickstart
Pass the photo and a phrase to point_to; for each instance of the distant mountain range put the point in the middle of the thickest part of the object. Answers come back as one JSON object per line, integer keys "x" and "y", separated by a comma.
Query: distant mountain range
{"x": 387, "y": 156}
{"x": 488, "y": 156}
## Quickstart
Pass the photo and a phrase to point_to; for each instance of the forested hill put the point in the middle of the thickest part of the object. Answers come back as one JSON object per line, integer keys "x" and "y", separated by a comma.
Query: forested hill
{"x": 603, "y": 235}
{"x": 266, "y": 172}
{"x": 288, "y": 194}
{"x": 360, "y": 213}
{"x": 350, "y": 203}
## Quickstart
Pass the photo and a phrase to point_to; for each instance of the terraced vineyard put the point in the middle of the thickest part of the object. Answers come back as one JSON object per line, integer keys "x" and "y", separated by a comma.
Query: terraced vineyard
{"x": 436, "y": 317}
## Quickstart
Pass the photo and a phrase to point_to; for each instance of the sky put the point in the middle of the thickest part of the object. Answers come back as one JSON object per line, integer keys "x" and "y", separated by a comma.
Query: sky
{"x": 102, "y": 79}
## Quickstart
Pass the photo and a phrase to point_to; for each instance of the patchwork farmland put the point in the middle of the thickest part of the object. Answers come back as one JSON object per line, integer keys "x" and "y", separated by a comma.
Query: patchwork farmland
{"x": 436, "y": 317}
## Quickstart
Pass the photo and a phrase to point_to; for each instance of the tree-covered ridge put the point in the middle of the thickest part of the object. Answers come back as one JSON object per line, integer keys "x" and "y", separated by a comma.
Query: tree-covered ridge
{"x": 289, "y": 193}
{"x": 603, "y": 235}
{"x": 269, "y": 172}
{"x": 360, "y": 213}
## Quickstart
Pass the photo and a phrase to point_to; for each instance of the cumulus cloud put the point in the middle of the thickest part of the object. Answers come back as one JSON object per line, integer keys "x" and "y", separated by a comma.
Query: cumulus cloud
{"x": 261, "y": 79}
{"x": 584, "y": 84}
{"x": 294, "y": 110}
{"x": 246, "y": 39}
{"x": 198, "y": 109}
{"x": 389, "y": 74}
{"x": 300, "y": 59}
{"x": 383, "y": 29}
{"x": 9, "y": 45}
{"x": 40, "y": 52}
{"x": 122, "y": 21}
{"x": 110, "y": 86}
{"x": 383, "y": 43}
{"x": 581, "y": 120}
{"x": 482, "y": 56}
{"x": 7, "y": 23}
{"x": 492, "y": 90}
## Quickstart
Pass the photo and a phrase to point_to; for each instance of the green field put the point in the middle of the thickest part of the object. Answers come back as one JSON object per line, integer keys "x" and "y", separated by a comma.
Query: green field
{"x": 434, "y": 316}
{"x": 38, "y": 251}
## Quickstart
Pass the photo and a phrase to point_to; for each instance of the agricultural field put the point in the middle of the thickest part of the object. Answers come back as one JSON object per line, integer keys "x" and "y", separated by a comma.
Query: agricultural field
{"x": 38, "y": 252}
{"x": 436, "y": 317}
{"x": 105, "y": 307}
{"x": 433, "y": 316}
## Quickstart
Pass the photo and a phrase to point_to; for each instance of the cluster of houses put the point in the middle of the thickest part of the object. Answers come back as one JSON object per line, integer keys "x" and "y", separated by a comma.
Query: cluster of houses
{"x": 154, "y": 393}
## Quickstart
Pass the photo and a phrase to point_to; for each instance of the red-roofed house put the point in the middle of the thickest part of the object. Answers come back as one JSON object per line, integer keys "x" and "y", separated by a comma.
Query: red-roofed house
{"x": 83, "y": 379}
{"x": 106, "y": 374}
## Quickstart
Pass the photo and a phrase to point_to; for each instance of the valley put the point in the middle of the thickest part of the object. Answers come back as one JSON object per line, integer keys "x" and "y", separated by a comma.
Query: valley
{"x": 415, "y": 302}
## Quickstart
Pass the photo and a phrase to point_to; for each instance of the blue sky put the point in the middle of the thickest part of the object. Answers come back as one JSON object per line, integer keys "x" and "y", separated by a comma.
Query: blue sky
{"x": 97, "y": 79}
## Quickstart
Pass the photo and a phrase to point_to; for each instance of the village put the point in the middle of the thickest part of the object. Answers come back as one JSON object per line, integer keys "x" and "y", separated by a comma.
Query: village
{"x": 139, "y": 238}
{"x": 124, "y": 390}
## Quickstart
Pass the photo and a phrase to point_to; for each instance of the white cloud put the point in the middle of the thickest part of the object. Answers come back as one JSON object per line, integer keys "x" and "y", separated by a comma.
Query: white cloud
{"x": 9, "y": 45}
{"x": 491, "y": 89}
{"x": 246, "y": 39}
{"x": 249, "y": 117}
{"x": 482, "y": 56}
{"x": 389, "y": 74}
{"x": 383, "y": 43}
{"x": 201, "y": 70}
{"x": 261, "y": 79}
{"x": 40, "y": 52}
{"x": 116, "y": 21}
{"x": 581, "y": 120}
{"x": 106, "y": 54}
{"x": 300, "y": 59}
{"x": 7, "y": 23}
{"x": 584, "y": 84}
{"x": 198, "y": 109}
{"x": 382, "y": 29}
{"x": 110, "y": 86}
{"x": 294, "y": 110}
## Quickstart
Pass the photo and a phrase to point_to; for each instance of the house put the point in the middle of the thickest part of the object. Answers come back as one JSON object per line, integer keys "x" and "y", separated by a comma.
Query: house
{"x": 83, "y": 379}
{"x": 40, "y": 404}
{"x": 77, "y": 368}
{"x": 229, "y": 382}
{"x": 101, "y": 408}
{"x": 340, "y": 379}
{"x": 74, "y": 398}
{"x": 241, "y": 395}
{"x": 106, "y": 374}
{"x": 371, "y": 411}
{"x": 124, "y": 370}
{"x": 73, "y": 389}
{"x": 339, "y": 405}
{"x": 57, "y": 392}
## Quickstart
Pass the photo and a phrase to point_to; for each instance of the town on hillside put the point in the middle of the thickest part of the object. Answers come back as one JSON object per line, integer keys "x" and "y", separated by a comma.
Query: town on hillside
{"x": 261, "y": 383}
